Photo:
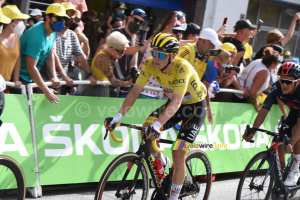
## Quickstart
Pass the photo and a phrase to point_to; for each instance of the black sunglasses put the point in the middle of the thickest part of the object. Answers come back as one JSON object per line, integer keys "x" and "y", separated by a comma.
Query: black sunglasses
{"x": 76, "y": 19}
{"x": 120, "y": 52}
{"x": 136, "y": 20}
{"x": 177, "y": 31}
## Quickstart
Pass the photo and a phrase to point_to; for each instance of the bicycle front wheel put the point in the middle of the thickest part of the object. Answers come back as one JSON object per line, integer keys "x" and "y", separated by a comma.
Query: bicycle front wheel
{"x": 12, "y": 180}
{"x": 117, "y": 180}
{"x": 258, "y": 179}
{"x": 198, "y": 177}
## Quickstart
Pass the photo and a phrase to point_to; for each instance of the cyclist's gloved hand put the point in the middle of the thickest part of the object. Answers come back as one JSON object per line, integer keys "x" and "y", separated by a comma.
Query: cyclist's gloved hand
{"x": 153, "y": 130}
{"x": 134, "y": 73}
{"x": 111, "y": 122}
{"x": 248, "y": 135}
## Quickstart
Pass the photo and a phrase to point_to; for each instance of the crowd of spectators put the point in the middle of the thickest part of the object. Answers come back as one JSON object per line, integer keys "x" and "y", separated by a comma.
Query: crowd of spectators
{"x": 54, "y": 47}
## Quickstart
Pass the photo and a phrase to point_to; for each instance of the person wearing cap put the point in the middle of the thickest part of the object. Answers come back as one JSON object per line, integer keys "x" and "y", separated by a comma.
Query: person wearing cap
{"x": 243, "y": 29}
{"x": 66, "y": 47}
{"x": 276, "y": 37}
{"x": 36, "y": 46}
{"x": 191, "y": 32}
{"x": 117, "y": 14}
{"x": 198, "y": 55}
{"x": 12, "y": 20}
{"x": 177, "y": 30}
{"x": 127, "y": 65}
{"x": 35, "y": 16}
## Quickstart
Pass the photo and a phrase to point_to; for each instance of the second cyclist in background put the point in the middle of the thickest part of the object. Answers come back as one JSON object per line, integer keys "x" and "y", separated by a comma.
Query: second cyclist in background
{"x": 288, "y": 91}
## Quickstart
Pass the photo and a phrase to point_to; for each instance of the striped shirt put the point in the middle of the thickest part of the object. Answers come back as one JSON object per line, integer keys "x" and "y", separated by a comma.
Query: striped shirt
{"x": 66, "y": 48}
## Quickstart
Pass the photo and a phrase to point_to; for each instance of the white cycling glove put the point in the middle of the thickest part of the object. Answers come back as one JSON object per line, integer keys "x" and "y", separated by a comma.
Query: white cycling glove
{"x": 154, "y": 129}
{"x": 117, "y": 119}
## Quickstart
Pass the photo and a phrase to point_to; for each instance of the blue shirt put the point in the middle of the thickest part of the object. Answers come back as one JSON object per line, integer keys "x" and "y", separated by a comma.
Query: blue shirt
{"x": 211, "y": 72}
{"x": 34, "y": 43}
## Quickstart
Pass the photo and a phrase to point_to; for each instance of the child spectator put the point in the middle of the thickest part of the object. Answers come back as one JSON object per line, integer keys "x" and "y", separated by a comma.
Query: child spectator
{"x": 118, "y": 14}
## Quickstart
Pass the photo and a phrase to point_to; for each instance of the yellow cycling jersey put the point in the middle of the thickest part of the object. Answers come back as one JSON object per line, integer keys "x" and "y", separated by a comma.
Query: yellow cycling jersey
{"x": 182, "y": 79}
{"x": 199, "y": 62}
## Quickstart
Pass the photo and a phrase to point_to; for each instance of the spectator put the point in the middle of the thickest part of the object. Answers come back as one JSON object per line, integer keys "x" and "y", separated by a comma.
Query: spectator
{"x": 103, "y": 65}
{"x": 36, "y": 45}
{"x": 276, "y": 37}
{"x": 2, "y": 99}
{"x": 197, "y": 55}
{"x": 128, "y": 63}
{"x": 243, "y": 29}
{"x": 118, "y": 14}
{"x": 67, "y": 46}
{"x": 177, "y": 30}
{"x": 35, "y": 16}
{"x": 256, "y": 77}
{"x": 11, "y": 20}
{"x": 191, "y": 32}
{"x": 182, "y": 19}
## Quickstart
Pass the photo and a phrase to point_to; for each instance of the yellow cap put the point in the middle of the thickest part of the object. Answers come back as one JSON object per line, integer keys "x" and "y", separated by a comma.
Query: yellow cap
{"x": 69, "y": 6}
{"x": 227, "y": 46}
{"x": 57, "y": 9}
{"x": 13, "y": 12}
{"x": 3, "y": 18}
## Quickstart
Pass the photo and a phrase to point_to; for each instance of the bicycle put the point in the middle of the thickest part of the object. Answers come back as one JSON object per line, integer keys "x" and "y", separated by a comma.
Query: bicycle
{"x": 263, "y": 177}
{"x": 130, "y": 171}
{"x": 12, "y": 180}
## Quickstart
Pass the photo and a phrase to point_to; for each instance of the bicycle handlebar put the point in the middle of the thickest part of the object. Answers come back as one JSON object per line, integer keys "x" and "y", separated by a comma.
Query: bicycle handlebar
{"x": 118, "y": 140}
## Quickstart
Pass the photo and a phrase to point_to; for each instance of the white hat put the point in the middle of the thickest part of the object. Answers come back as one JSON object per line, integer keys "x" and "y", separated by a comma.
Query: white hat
{"x": 211, "y": 35}
{"x": 35, "y": 12}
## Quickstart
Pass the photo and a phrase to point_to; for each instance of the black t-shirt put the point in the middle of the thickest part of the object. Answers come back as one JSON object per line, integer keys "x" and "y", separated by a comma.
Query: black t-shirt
{"x": 126, "y": 60}
{"x": 238, "y": 44}
{"x": 291, "y": 100}
{"x": 259, "y": 54}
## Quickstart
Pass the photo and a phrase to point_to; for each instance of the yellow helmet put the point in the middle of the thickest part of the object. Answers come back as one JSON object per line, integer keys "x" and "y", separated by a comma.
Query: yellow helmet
{"x": 227, "y": 46}
{"x": 13, "y": 12}
{"x": 69, "y": 6}
{"x": 165, "y": 42}
{"x": 57, "y": 9}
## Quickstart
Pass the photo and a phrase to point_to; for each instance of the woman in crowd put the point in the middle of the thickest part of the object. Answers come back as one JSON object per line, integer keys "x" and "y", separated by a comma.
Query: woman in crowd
{"x": 256, "y": 77}
{"x": 104, "y": 62}
{"x": 10, "y": 44}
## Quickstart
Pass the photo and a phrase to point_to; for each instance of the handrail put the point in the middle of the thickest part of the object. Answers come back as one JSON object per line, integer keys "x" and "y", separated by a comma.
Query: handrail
{"x": 86, "y": 82}
{"x": 12, "y": 84}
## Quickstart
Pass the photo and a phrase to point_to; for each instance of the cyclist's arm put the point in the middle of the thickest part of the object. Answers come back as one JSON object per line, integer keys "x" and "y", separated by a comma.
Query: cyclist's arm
{"x": 260, "y": 117}
{"x": 171, "y": 109}
{"x": 130, "y": 99}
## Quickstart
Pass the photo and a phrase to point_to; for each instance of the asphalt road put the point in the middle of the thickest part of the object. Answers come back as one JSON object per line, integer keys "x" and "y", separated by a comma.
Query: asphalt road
{"x": 224, "y": 187}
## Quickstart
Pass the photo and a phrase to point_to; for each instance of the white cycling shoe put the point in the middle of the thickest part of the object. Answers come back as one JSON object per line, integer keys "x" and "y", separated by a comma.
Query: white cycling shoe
{"x": 291, "y": 179}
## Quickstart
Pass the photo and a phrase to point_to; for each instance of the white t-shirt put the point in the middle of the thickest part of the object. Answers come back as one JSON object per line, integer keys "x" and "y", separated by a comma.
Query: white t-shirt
{"x": 245, "y": 79}
{"x": 2, "y": 83}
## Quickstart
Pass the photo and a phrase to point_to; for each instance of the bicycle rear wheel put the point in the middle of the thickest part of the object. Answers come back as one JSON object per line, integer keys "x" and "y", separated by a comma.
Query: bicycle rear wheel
{"x": 198, "y": 177}
{"x": 257, "y": 180}
{"x": 117, "y": 180}
{"x": 12, "y": 180}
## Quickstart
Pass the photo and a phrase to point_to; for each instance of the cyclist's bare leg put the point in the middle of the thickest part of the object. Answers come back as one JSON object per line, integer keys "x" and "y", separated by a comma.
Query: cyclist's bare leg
{"x": 179, "y": 166}
{"x": 295, "y": 137}
{"x": 281, "y": 156}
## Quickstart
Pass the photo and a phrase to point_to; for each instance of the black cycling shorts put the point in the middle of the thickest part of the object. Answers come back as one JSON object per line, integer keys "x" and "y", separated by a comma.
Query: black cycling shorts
{"x": 191, "y": 115}
{"x": 288, "y": 124}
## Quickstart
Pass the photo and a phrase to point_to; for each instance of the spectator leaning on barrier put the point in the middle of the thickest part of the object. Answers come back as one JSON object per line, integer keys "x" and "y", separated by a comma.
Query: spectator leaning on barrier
{"x": 36, "y": 45}
{"x": 127, "y": 65}
{"x": 66, "y": 47}
{"x": 198, "y": 55}
{"x": 243, "y": 29}
{"x": 256, "y": 77}
{"x": 103, "y": 65}
{"x": 11, "y": 25}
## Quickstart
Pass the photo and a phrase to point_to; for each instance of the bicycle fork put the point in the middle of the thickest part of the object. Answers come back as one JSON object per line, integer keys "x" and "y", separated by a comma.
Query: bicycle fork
{"x": 132, "y": 186}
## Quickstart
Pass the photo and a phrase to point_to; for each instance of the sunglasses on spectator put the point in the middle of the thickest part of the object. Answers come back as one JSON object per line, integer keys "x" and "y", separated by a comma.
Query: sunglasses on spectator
{"x": 177, "y": 31}
{"x": 76, "y": 19}
{"x": 120, "y": 51}
{"x": 136, "y": 20}
{"x": 286, "y": 81}
{"x": 161, "y": 55}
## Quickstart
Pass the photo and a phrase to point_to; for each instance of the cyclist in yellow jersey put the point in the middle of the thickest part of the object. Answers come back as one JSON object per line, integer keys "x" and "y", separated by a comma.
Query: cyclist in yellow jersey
{"x": 103, "y": 65}
{"x": 186, "y": 103}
